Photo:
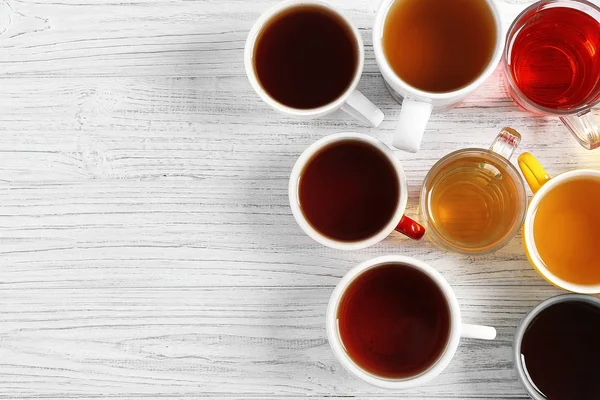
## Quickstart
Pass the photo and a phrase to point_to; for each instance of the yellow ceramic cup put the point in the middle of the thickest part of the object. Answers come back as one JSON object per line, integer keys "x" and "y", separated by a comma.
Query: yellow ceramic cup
{"x": 540, "y": 183}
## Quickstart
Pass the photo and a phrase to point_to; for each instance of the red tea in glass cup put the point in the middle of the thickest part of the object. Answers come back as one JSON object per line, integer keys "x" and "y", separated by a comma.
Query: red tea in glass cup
{"x": 552, "y": 64}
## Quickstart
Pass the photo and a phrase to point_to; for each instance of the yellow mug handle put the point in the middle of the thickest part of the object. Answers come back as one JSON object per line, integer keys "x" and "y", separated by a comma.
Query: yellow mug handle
{"x": 535, "y": 175}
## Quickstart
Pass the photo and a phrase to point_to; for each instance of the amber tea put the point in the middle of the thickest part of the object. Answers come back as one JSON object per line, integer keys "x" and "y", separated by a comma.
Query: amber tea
{"x": 474, "y": 201}
{"x": 439, "y": 46}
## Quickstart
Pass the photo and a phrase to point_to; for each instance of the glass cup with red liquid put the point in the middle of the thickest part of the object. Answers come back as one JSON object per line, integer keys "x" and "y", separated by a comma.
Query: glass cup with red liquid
{"x": 552, "y": 64}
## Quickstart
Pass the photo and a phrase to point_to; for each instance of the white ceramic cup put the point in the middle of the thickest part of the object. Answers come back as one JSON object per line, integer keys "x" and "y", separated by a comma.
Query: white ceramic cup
{"x": 417, "y": 104}
{"x": 457, "y": 328}
{"x": 351, "y": 101}
{"x": 398, "y": 221}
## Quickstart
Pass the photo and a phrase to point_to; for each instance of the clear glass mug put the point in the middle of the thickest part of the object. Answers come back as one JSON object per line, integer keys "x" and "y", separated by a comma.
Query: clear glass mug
{"x": 578, "y": 118}
{"x": 473, "y": 201}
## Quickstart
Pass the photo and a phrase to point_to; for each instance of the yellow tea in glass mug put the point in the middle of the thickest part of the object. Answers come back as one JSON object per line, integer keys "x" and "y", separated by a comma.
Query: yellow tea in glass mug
{"x": 473, "y": 204}
{"x": 473, "y": 200}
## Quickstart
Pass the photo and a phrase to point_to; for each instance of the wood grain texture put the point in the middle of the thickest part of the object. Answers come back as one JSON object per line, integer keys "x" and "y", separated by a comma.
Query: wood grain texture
{"x": 147, "y": 249}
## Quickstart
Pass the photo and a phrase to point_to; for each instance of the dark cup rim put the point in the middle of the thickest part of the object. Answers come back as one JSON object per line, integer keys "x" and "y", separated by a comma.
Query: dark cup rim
{"x": 524, "y": 324}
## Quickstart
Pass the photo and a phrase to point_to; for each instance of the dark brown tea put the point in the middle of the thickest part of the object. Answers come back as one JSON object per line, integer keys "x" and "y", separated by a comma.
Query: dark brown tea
{"x": 439, "y": 46}
{"x": 349, "y": 191}
{"x": 560, "y": 351}
{"x": 306, "y": 57}
{"x": 394, "y": 321}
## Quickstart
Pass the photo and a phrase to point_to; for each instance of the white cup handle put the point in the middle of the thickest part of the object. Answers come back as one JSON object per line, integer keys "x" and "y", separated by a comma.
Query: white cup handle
{"x": 413, "y": 119}
{"x": 478, "y": 332}
{"x": 362, "y": 109}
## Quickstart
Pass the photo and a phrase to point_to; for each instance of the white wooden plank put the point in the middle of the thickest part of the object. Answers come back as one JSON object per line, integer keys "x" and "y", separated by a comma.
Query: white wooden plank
{"x": 147, "y": 37}
{"x": 181, "y": 340}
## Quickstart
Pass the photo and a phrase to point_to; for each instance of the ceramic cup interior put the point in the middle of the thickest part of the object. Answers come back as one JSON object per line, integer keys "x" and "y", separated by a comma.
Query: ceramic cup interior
{"x": 349, "y": 364}
{"x": 294, "y": 197}
{"x": 254, "y": 34}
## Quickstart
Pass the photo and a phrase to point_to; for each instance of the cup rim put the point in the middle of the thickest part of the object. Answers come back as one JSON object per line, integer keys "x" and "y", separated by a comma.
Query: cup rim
{"x": 524, "y": 324}
{"x": 389, "y": 73}
{"x": 445, "y": 243}
{"x": 266, "y": 97}
{"x": 336, "y": 344}
{"x": 529, "y": 241}
{"x": 506, "y": 53}
{"x": 295, "y": 203}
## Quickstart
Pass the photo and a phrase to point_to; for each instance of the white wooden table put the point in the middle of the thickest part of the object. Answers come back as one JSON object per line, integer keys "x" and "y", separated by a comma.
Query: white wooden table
{"x": 147, "y": 250}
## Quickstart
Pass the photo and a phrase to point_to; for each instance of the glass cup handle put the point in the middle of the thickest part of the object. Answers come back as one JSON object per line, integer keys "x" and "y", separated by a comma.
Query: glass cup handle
{"x": 585, "y": 129}
{"x": 506, "y": 142}
{"x": 535, "y": 175}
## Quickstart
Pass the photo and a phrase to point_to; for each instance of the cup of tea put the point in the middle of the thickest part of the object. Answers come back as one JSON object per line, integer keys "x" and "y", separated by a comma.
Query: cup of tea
{"x": 561, "y": 233}
{"x": 432, "y": 54}
{"x": 473, "y": 201}
{"x": 556, "y": 349}
{"x": 348, "y": 191}
{"x": 552, "y": 64}
{"x": 305, "y": 58}
{"x": 394, "y": 322}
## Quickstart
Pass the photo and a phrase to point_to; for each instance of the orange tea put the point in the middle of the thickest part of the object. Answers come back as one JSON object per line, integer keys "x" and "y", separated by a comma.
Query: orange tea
{"x": 439, "y": 46}
{"x": 566, "y": 230}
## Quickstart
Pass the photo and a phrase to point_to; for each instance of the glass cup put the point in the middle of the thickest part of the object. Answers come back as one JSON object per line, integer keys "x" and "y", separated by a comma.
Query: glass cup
{"x": 555, "y": 40}
{"x": 473, "y": 201}
{"x": 519, "y": 360}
